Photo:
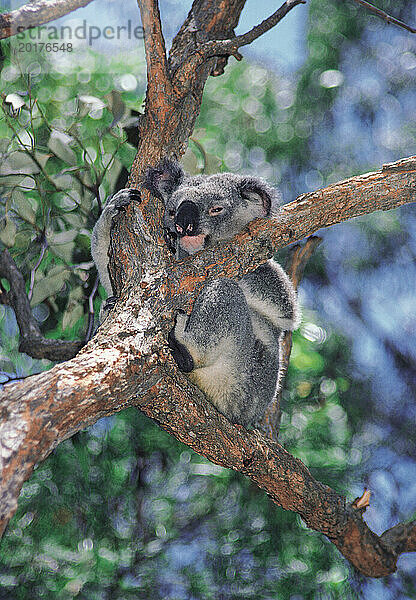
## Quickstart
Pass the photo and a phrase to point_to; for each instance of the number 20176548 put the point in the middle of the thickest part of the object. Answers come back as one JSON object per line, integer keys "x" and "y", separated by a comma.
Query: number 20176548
{"x": 44, "y": 46}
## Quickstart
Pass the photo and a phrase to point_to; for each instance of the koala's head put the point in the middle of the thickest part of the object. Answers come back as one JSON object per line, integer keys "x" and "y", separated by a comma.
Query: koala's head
{"x": 201, "y": 210}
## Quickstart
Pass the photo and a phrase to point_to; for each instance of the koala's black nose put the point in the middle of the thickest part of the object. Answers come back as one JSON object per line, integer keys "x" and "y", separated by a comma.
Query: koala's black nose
{"x": 187, "y": 219}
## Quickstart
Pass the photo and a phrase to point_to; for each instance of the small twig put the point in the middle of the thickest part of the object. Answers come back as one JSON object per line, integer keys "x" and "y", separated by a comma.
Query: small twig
{"x": 385, "y": 16}
{"x": 258, "y": 30}
{"x": 44, "y": 245}
{"x": 363, "y": 501}
{"x": 295, "y": 267}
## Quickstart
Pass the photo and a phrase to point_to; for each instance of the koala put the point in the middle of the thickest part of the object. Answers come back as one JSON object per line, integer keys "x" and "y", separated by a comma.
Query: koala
{"x": 100, "y": 242}
{"x": 229, "y": 345}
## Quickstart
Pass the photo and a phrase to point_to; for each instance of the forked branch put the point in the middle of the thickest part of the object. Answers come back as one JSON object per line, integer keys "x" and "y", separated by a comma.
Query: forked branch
{"x": 32, "y": 342}
{"x": 228, "y": 47}
{"x": 128, "y": 363}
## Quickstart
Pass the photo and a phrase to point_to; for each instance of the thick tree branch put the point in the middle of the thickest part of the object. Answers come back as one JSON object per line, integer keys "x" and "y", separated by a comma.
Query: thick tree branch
{"x": 392, "y": 186}
{"x": 385, "y": 16}
{"x": 388, "y": 188}
{"x": 128, "y": 363}
{"x": 32, "y": 342}
{"x": 36, "y": 13}
{"x": 159, "y": 85}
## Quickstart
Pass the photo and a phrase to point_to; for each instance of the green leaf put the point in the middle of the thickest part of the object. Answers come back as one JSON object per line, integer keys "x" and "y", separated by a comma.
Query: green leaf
{"x": 49, "y": 285}
{"x": 74, "y": 310}
{"x": 116, "y": 105}
{"x": 7, "y": 232}
{"x": 23, "y": 207}
{"x": 63, "y": 244}
{"x": 59, "y": 143}
{"x": 18, "y": 163}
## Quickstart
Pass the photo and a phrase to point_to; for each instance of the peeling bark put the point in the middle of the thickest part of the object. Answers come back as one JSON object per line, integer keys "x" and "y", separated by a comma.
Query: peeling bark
{"x": 128, "y": 362}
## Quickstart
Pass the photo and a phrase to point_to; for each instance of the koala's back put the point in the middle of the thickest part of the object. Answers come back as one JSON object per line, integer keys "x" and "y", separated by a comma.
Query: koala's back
{"x": 233, "y": 335}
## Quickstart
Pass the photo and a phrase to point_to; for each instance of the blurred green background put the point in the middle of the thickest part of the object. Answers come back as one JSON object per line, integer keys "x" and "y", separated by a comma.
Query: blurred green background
{"x": 123, "y": 510}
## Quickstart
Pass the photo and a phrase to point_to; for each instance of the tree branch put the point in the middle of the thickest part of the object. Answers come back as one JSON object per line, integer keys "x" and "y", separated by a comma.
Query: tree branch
{"x": 401, "y": 538}
{"x": 32, "y": 341}
{"x": 159, "y": 84}
{"x": 128, "y": 363}
{"x": 207, "y": 20}
{"x": 185, "y": 76}
{"x": 36, "y": 13}
{"x": 385, "y": 16}
{"x": 388, "y": 188}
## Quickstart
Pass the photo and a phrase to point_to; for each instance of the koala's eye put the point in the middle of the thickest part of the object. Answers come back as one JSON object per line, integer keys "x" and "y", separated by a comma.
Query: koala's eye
{"x": 215, "y": 210}
{"x": 171, "y": 213}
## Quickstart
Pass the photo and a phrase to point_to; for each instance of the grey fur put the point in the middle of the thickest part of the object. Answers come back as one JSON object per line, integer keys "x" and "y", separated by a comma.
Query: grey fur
{"x": 230, "y": 343}
{"x": 100, "y": 241}
{"x": 100, "y": 238}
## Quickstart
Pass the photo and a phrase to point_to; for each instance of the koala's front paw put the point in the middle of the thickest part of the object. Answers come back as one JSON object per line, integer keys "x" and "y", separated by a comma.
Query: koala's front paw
{"x": 181, "y": 355}
{"x": 122, "y": 199}
{"x": 106, "y": 308}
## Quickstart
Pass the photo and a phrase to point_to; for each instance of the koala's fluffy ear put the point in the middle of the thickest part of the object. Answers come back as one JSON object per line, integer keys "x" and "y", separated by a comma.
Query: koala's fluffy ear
{"x": 164, "y": 179}
{"x": 253, "y": 188}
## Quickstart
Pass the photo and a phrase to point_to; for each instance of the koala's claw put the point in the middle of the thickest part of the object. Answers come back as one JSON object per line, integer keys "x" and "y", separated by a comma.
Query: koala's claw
{"x": 122, "y": 199}
{"x": 110, "y": 303}
{"x": 181, "y": 355}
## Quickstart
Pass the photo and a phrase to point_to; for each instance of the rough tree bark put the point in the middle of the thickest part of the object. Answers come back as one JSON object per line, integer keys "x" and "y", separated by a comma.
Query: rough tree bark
{"x": 36, "y": 13}
{"x": 128, "y": 362}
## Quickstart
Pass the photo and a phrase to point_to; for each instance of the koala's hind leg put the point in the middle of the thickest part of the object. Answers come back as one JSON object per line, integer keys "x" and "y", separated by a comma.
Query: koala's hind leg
{"x": 180, "y": 353}
{"x": 218, "y": 335}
